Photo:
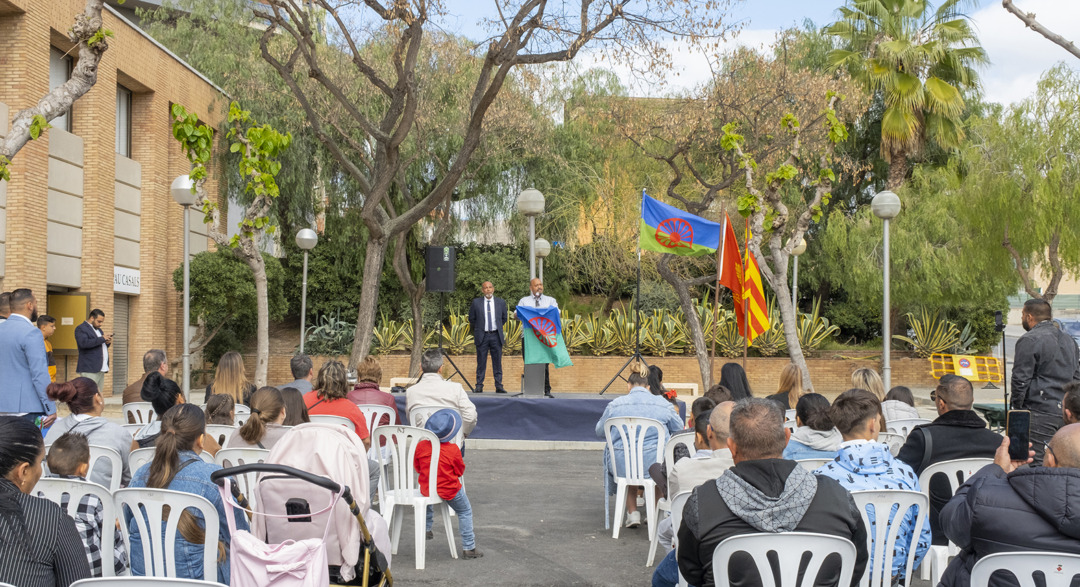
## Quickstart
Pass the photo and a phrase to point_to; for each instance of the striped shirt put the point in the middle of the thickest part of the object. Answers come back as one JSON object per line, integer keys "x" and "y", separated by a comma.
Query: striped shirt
{"x": 47, "y": 552}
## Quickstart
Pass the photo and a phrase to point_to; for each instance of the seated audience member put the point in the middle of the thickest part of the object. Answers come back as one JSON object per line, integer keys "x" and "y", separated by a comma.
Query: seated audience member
{"x": 719, "y": 394}
{"x": 790, "y": 389}
{"x": 899, "y": 404}
{"x": 659, "y": 471}
{"x": 230, "y": 379}
{"x": 367, "y": 392}
{"x": 163, "y": 394}
{"x": 221, "y": 410}
{"x": 1009, "y": 507}
{"x": 433, "y": 390}
{"x": 639, "y": 402}
{"x": 734, "y": 378}
{"x": 445, "y": 424}
{"x": 711, "y": 460}
{"x": 656, "y": 386}
{"x": 69, "y": 458}
{"x": 864, "y": 463}
{"x": 815, "y": 437}
{"x": 153, "y": 360}
{"x": 295, "y": 411}
{"x": 303, "y": 371}
{"x": 177, "y": 466}
{"x": 86, "y": 404}
{"x": 263, "y": 428}
{"x": 764, "y": 493}
{"x": 329, "y": 397}
{"x": 1070, "y": 405}
{"x": 39, "y": 543}
{"x": 957, "y": 433}
{"x": 868, "y": 379}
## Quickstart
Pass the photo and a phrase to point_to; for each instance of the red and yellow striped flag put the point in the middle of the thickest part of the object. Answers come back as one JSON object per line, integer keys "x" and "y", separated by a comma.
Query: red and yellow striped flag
{"x": 757, "y": 312}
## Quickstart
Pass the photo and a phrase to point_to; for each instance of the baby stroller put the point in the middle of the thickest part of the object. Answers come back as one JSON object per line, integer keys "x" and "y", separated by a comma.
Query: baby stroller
{"x": 329, "y": 456}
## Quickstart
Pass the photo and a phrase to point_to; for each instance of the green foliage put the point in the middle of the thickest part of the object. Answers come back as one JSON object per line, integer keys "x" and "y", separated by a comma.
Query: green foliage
{"x": 505, "y": 266}
{"x": 575, "y": 333}
{"x": 98, "y": 37}
{"x": 729, "y": 343}
{"x": 512, "y": 331}
{"x": 622, "y": 326}
{"x": 330, "y": 335}
{"x": 458, "y": 336}
{"x": 196, "y": 142}
{"x": 965, "y": 342}
{"x": 223, "y": 294}
{"x": 771, "y": 342}
{"x": 390, "y": 336}
{"x": 601, "y": 339}
{"x": 657, "y": 295}
{"x": 664, "y": 333}
{"x": 5, "y": 172}
{"x": 814, "y": 329}
{"x": 37, "y": 125}
{"x": 931, "y": 333}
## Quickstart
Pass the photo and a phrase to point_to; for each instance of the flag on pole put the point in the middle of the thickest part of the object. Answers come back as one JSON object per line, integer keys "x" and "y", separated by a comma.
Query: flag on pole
{"x": 542, "y": 330}
{"x": 757, "y": 312}
{"x": 667, "y": 229}
{"x": 731, "y": 270}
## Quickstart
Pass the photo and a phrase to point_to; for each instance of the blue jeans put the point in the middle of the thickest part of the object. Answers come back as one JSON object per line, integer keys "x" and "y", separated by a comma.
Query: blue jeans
{"x": 667, "y": 572}
{"x": 460, "y": 505}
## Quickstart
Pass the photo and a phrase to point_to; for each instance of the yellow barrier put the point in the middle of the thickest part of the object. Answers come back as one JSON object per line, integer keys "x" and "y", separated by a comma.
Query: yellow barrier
{"x": 974, "y": 368}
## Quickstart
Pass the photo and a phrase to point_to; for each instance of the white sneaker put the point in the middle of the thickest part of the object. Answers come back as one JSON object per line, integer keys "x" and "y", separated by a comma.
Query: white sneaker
{"x": 633, "y": 519}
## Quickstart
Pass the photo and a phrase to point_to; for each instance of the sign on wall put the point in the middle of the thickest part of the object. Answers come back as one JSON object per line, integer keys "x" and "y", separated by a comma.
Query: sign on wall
{"x": 126, "y": 280}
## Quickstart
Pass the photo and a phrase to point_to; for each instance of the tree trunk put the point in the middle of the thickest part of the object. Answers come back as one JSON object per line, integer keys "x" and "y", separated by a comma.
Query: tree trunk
{"x": 898, "y": 169}
{"x": 262, "y": 337}
{"x": 686, "y": 302}
{"x": 613, "y": 296}
{"x": 374, "y": 258}
{"x": 417, "y": 336}
{"x": 778, "y": 262}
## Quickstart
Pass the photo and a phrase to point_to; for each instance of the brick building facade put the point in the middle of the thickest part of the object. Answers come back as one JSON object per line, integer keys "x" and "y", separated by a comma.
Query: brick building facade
{"x": 89, "y": 201}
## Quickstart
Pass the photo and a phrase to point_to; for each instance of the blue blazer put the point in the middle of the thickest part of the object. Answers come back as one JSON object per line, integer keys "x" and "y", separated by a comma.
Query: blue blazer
{"x": 89, "y": 343}
{"x": 476, "y": 317}
{"x": 24, "y": 367}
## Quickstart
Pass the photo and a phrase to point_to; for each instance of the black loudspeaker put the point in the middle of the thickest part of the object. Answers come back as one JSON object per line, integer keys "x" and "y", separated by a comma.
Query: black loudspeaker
{"x": 439, "y": 267}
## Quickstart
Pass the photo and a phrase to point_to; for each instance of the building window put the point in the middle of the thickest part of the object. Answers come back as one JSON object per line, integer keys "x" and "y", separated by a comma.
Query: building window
{"x": 59, "y": 73}
{"x": 123, "y": 121}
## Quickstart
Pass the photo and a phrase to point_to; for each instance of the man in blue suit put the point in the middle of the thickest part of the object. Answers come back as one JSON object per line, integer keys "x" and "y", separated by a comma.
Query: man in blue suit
{"x": 23, "y": 364}
{"x": 93, "y": 346}
{"x": 487, "y": 315}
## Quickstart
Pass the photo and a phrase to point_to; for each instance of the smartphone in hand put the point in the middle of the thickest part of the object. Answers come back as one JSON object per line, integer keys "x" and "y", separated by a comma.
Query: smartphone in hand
{"x": 1018, "y": 428}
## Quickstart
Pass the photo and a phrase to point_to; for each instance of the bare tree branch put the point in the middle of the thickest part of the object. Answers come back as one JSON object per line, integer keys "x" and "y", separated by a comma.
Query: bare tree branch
{"x": 1028, "y": 18}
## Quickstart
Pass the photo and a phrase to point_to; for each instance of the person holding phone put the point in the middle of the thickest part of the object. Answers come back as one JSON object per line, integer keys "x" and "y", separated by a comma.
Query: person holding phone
{"x": 93, "y": 346}
{"x": 1008, "y": 507}
{"x": 1044, "y": 361}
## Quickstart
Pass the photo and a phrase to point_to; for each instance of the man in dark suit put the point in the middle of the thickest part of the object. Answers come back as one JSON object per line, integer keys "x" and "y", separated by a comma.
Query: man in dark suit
{"x": 487, "y": 316}
{"x": 93, "y": 346}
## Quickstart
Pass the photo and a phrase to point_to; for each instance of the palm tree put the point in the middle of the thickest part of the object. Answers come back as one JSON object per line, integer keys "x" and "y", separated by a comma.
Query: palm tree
{"x": 919, "y": 59}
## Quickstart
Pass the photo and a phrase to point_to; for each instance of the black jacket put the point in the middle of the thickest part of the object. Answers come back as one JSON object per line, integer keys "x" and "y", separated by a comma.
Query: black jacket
{"x": 1046, "y": 359}
{"x": 91, "y": 357}
{"x": 39, "y": 544}
{"x": 707, "y": 521}
{"x": 956, "y": 434}
{"x": 1030, "y": 509}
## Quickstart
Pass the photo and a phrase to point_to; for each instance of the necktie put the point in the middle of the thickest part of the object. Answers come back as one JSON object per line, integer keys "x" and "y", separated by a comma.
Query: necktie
{"x": 490, "y": 320}
{"x": 537, "y": 298}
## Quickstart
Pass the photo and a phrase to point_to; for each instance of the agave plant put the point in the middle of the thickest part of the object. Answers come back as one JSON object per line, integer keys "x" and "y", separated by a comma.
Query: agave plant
{"x": 933, "y": 333}
{"x": 814, "y": 329}
{"x": 512, "y": 332}
{"x": 459, "y": 336}
{"x": 704, "y": 311}
{"x": 330, "y": 335}
{"x": 663, "y": 333}
{"x": 391, "y": 336}
{"x": 622, "y": 326}
{"x": 601, "y": 339}
{"x": 772, "y": 341}
{"x": 966, "y": 342}
{"x": 575, "y": 335}
{"x": 729, "y": 343}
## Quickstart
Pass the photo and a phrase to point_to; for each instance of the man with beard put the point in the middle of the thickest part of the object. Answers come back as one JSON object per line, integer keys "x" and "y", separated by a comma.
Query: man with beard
{"x": 23, "y": 363}
{"x": 1045, "y": 360}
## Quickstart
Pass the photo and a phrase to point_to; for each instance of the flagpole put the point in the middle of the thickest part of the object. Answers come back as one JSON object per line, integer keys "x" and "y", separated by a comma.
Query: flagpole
{"x": 716, "y": 299}
{"x": 746, "y": 303}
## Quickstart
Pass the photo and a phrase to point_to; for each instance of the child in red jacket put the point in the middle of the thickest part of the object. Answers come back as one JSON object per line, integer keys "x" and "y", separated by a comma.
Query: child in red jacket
{"x": 446, "y": 424}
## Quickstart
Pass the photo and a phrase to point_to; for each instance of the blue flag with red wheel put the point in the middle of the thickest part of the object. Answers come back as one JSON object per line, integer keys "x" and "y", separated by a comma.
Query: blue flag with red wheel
{"x": 667, "y": 229}
{"x": 542, "y": 330}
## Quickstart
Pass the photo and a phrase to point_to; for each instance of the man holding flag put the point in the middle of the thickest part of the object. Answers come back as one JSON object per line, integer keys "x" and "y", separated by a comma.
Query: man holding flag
{"x": 542, "y": 331}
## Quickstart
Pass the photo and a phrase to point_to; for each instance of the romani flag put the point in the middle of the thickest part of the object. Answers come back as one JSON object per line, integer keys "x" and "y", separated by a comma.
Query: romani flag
{"x": 754, "y": 294}
{"x": 667, "y": 229}
{"x": 731, "y": 270}
{"x": 542, "y": 330}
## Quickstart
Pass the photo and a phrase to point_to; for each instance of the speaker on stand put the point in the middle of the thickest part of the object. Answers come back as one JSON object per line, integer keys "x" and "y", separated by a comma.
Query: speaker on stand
{"x": 440, "y": 277}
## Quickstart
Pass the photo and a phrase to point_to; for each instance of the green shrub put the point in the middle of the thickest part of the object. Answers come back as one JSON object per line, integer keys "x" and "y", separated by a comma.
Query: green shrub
{"x": 932, "y": 333}
{"x": 330, "y": 335}
{"x": 814, "y": 329}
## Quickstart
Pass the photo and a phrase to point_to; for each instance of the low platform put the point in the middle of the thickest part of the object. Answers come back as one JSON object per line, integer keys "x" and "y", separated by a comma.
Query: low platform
{"x": 565, "y": 417}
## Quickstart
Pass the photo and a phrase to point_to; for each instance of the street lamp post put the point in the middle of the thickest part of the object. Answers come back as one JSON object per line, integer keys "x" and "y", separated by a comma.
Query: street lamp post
{"x": 181, "y": 190}
{"x": 306, "y": 239}
{"x": 886, "y": 205}
{"x": 543, "y": 248}
{"x": 531, "y": 204}
{"x": 795, "y": 252}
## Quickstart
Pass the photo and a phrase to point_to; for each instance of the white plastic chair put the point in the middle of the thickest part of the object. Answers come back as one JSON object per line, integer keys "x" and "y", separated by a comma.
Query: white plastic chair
{"x": 670, "y": 505}
{"x": 140, "y": 457}
{"x": 373, "y": 414}
{"x": 957, "y": 471}
{"x": 904, "y": 426}
{"x": 241, "y": 413}
{"x": 231, "y": 457}
{"x": 142, "y": 582}
{"x": 139, "y": 412}
{"x": 115, "y": 463}
{"x": 685, "y": 438}
{"x": 789, "y": 548}
{"x": 146, "y": 507}
{"x": 1058, "y": 568}
{"x": 54, "y": 490}
{"x": 881, "y": 536}
{"x": 133, "y": 429}
{"x": 331, "y": 419}
{"x": 678, "y": 502}
{"x": 402, "y": 489}
{"x": 813, "y": 464}
{"x": 894, "y": 440}
{"x": 241, "y": 409}
{"x": 790, "y": 425}
{"x": 419, "y": 414}
{"x": 789, "y": 415}
{"x": 633, "y": 432}
{"x": 220, "y": 432}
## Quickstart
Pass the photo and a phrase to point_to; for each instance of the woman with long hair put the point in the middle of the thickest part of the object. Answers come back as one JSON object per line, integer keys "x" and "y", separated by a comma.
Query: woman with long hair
{"x": 815, "y": 437}
{"x": 733, "y": 377}
{"x": 263, "y": 429}
{"x": 790, "y": 389}
{"x": 176, "y": 466}
{"x": 330, "y": 396}
{"x": 229, "y": 379}
{"x": 220, "y": 409}
{"x": 868, "y": 379}
{"x": 164, "y": 394}
{"x": 295, "y": 411}
{"x": 39, "y": 544}
{"x": 656, "y": 386}
{"x": 86, "y": 404}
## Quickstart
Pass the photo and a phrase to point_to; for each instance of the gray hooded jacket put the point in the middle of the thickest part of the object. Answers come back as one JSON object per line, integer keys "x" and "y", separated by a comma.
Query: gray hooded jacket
{"x": 101, "y": 432}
